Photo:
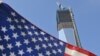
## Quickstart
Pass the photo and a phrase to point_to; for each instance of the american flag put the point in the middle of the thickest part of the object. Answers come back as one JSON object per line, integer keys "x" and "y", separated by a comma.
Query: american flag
{"x": 19, "y": 37}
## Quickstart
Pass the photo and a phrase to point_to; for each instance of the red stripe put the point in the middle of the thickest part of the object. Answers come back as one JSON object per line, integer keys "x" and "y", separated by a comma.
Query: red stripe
{"x": 66, "y": 54}
{"x": 79, "y": 50}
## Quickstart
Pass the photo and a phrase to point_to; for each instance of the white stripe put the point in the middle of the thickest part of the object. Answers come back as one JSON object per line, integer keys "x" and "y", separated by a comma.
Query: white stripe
{"x": 74, "y": 52}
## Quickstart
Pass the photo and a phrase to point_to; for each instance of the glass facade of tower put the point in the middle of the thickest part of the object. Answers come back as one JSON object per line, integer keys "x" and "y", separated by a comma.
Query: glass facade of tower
{"x": 65, "y": 26}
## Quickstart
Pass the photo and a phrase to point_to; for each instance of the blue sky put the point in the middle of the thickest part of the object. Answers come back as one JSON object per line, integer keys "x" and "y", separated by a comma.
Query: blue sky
{"x": 42, "y": 13}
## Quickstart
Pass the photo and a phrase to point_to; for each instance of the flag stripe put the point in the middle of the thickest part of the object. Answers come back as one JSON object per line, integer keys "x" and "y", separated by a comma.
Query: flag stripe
{"x": 66, "y": 54}
{"x": 74, "y": 52}
{"x": 77, "y": 50}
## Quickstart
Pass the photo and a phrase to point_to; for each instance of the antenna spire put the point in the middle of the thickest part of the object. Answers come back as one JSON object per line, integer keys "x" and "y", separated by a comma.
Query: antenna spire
{"x": 59, "y": 5}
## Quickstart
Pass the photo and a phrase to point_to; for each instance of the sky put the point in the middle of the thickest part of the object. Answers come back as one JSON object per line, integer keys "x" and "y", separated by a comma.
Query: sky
{"x": 42, "y": 13}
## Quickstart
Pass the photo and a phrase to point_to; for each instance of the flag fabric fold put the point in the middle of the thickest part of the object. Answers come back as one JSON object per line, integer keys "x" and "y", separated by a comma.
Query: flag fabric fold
{"x": 19, "y": 37}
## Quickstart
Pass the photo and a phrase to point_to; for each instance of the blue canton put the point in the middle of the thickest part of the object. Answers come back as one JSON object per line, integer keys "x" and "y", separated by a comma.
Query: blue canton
{"x": 19, "y": 37}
